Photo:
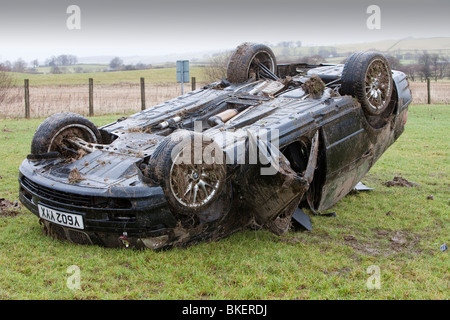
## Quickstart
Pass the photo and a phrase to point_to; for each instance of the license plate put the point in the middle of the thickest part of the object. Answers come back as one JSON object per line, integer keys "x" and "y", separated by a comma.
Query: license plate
{"x": 62, "y": 218}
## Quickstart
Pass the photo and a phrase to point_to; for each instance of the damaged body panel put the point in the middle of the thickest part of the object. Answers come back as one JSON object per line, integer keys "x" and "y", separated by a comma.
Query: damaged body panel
{"x": 245, "y": 151}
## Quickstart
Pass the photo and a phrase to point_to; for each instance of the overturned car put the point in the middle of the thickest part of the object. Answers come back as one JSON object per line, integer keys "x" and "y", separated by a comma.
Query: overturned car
{"x": 247, "y": 150}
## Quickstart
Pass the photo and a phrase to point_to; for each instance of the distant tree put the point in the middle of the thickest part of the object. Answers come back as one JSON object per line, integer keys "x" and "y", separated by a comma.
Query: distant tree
{"x": 116, "y": 63}
{"x": 62, "y": 60}
{"x": 394, "y": 62}
{"x": 6, "y": 66}
{"x": 72, "y": 59}
{"x": 19, "y": 65}
{"x": 443, "y": 66}
{"x": 216, "y": 69}
{"x": 435, "y": 59}
{"x": 129, "y": 67}
{"x": 51, "y": 62}
{"x": 298, "y": 44}
{"x": 412, "y": 70}
{"x": 55, "y": 70}
{"x": 142, "y": 66}
{"x": 438, "y": 64}
{"x": 425, "y": 62}
{"x": 35, "y": 63}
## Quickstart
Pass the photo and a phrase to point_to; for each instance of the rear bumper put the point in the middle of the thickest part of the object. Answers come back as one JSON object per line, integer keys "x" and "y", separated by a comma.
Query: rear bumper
{"x": 111, "y": 221}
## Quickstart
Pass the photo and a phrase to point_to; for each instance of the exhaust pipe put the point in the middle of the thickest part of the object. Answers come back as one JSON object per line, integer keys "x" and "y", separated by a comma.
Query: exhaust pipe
{"x": 222, "y": 117}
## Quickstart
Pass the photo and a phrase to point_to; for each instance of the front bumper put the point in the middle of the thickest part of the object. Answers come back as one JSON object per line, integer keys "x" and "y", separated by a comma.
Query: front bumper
{"x": 110, "y": 219}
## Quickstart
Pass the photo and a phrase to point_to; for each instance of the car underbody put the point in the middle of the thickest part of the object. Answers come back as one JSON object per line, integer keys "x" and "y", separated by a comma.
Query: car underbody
{"x": 287, "y": 136}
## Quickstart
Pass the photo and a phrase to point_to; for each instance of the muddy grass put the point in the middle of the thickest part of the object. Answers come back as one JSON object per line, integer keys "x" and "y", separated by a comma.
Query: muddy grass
{"x": 401, "y": 182}
{"x": 377, "y": 242}
{"x": 385, "y": 243}
{"x": 9, "y": 208}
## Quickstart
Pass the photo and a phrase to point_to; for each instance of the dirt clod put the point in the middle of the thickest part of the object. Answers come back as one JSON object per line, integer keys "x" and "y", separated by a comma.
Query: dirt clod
{"x": 349, "y": 237}
{"x": 314, "y": 86}
{"x": 400, "y": 182}
{"x": 75, "y": 176}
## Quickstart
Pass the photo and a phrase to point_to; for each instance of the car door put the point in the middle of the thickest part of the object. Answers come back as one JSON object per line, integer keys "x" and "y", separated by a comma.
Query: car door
{"x": 348, "y": 151}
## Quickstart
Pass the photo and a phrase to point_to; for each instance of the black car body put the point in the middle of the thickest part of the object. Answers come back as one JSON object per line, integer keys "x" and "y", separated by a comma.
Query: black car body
{"x": 118, "y": 186}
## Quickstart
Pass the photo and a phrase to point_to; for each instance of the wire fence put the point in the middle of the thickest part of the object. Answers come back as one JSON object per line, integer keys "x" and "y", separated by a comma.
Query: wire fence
{"x": 88, "y": 100}
{"x": 124, "y": 98}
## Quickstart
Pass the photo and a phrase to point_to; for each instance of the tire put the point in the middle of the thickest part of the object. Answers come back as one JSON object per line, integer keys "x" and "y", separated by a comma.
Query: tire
{"x": 190, "y": 188}
{"x": 367, "y": 76}
{"x": 50, "y": 135}
{"x": 242, "y": 67}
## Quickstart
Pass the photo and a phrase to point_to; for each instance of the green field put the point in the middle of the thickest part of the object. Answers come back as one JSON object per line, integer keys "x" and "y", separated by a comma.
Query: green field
{"x": 163, "y": 75}
{"x": 396, "y": 229}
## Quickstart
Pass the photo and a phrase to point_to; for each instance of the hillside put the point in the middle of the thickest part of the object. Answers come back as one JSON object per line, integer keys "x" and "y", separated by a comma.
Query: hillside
{"x": 441, "y": 44}
{"x": 409, "y": 45}
{"x": 407, "y": 51}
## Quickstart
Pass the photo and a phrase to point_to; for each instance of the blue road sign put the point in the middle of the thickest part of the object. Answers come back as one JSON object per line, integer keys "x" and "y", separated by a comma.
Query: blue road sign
{"x": 183, "y": 71}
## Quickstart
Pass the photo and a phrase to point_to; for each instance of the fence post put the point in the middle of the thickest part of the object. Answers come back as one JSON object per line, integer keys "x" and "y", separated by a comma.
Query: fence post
{"x": 91, "y": 97}
{"x": 142, "y": 94}
{"x": 27, "y": 98}
{"x": 428, "y": 91}
{"x": 193, "y": 83}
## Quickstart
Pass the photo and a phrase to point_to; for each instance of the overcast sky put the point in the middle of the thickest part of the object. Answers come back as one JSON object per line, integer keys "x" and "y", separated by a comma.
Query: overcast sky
{"x": 37, "y": 28}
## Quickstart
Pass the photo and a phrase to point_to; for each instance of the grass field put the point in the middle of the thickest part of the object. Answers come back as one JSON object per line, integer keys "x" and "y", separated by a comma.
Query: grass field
{"x": 396, "y": 229}
{"x": 162, "y": 75}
